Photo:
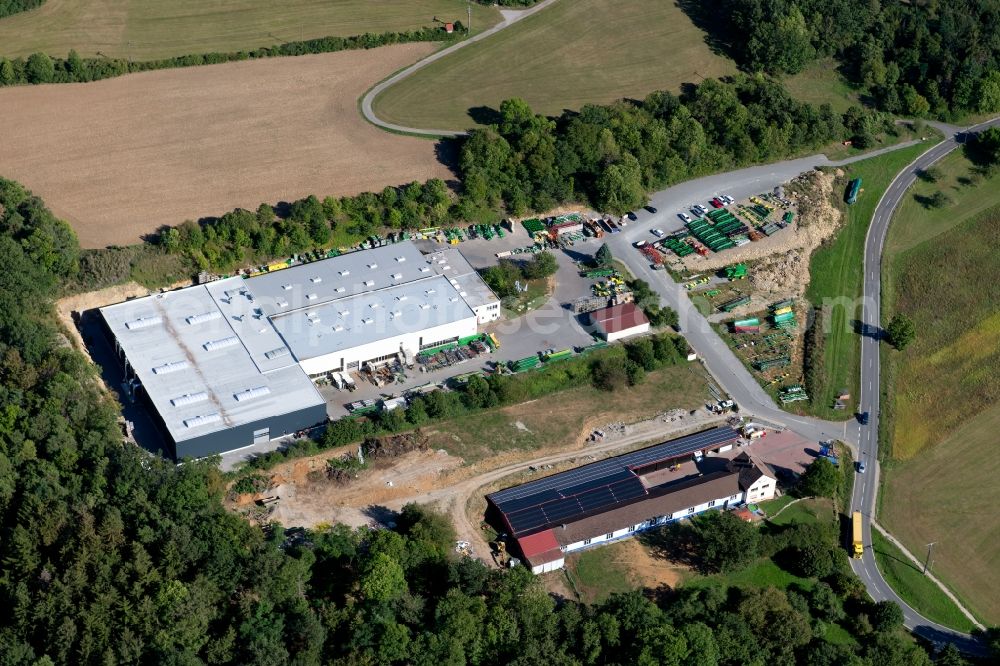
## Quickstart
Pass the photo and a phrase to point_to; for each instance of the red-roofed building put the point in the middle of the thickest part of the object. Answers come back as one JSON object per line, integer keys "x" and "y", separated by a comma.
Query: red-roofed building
{"x": 619, "y": 321}
{"x": 541, "y": 552}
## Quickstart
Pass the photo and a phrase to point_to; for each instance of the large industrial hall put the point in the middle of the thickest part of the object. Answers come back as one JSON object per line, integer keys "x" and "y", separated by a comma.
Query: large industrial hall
{"x": 227, "y": 364}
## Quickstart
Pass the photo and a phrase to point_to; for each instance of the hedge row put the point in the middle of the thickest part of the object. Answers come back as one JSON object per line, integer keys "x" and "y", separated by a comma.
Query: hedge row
{"x": 41, "y": 68}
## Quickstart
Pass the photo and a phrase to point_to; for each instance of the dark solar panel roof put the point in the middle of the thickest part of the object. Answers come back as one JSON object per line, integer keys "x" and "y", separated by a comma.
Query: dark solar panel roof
{"x": 593, "y": 487}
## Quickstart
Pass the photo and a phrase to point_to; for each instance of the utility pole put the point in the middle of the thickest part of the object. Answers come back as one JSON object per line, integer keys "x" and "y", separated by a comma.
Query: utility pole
{"x": 927, "y": 562}
{"x": 469, "y": 7}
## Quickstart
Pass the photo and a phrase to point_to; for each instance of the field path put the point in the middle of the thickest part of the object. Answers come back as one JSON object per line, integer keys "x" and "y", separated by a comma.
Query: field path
{"x": 510, "y": 17}
{"x": 121, "y": 157}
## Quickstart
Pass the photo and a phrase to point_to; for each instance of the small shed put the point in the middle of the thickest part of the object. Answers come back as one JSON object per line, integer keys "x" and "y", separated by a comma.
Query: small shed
{"x": 449, "y": 28}
{"x": 542, "y": 551}
{"x": 619, "y": 321}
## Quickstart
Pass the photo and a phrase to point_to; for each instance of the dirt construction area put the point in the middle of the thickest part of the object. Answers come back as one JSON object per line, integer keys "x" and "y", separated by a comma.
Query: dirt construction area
{"x": 311, "y": 496}
{"x": 119, "y": 158}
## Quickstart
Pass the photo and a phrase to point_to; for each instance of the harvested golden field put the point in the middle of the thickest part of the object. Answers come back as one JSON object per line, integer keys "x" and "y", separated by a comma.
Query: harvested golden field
{"x": 119, "y": 158}
{"x": 146, "y": 30}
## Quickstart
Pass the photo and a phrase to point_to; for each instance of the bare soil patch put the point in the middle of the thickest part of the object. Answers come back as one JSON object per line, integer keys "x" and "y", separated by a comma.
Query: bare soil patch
{"x": 119, "y": 158}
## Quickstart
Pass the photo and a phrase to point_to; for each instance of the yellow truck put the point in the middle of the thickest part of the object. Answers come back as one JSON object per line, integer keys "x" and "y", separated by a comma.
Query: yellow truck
{"x": 857, "y": 546}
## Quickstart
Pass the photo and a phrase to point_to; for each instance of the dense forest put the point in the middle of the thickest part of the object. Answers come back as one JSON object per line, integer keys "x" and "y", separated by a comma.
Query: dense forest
{"x": 612, "y": 155}
{"x": 111, "y": 556}
{"x": 915, "y": 58}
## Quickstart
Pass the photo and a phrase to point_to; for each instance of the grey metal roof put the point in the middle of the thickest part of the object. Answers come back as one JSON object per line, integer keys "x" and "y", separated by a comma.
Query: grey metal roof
{"x": 453, "y": 265}
{"x": 371, "y": 316}
{"x": 203, "y": 355}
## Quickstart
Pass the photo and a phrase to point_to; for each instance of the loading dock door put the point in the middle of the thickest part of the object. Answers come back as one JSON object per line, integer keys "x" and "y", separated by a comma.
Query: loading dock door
{"x": 262, "y": 436}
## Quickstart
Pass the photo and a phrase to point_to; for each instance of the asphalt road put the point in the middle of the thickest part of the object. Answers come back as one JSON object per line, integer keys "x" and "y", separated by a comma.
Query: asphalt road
{"x": 732, "y": 376}
{"x": 866, "y": 485}
{"x": 510, "y": 18}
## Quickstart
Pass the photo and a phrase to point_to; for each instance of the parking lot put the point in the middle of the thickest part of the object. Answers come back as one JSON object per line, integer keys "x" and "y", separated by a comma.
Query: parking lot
{"x": 550, "y": 326}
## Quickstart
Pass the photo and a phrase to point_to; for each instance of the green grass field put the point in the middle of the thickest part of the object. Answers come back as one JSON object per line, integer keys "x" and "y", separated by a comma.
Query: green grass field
{"x": 941, "y": 413}
{"x": 945, "y": 495}
{"x": 145, "y": 30}
{"x": 835, "y": 277}
{"x": 916, "y": 589}
{"x": 570, "y": 54}
{"x": 599, "y": 572}
{"x": 821, "y": 83}
{"x": 559, "y": 419}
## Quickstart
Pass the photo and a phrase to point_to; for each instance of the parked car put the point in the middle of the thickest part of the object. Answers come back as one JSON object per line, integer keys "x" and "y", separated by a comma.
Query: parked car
{"x": 696, "y": 212}
{"x": 716, "y": 203}
{"x": 657, "y": 232}
{"x": 640, "y": 243}
{"x": 701, "y": 209}
{"x": 684, "y": 216}
{"x": 861, "y": 467}
{"x": 630, "y": 215}
{"x": 863, "y": 418}
{"x": 727, "y": 199}
{"x": 651, "y": 209}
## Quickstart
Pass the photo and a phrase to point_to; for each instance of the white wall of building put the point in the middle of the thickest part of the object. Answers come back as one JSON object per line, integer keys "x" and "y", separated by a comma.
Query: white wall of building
{"x": 487, "y": 312}
{"x": 549, "y": 566}
{"x": 628, "y": 332}
{"x": 409, "y": 342}
{"x": 762, "y": 489}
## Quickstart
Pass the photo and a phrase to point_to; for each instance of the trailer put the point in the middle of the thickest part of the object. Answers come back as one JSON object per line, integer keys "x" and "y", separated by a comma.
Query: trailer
{"x": 853, "y": 189}
{"x": 560, "y": 355}
{"x": 857, "y": 536}
{"x": 736, "y": 272}
{"x": 751, "y": 325}
{"x": 729, "y": 306}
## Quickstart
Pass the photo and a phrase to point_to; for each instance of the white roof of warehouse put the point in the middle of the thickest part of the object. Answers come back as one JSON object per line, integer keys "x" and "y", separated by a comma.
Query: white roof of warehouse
{"x": 312, "y": 284}
{"x": 453, "y": 265}
{"x": 371, "y": 316}
{"x": 208, "y": 359}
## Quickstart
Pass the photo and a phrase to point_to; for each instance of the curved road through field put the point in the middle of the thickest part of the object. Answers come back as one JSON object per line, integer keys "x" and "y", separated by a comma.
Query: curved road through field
{"x": 866, "y": 485}
{"x": 730, "y": 373}
{"x": 510, "y": 18}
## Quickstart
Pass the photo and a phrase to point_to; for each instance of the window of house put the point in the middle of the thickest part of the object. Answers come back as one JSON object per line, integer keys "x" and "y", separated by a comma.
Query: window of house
{"x": 586, "y": 542}
{"x": 691, "y": 510}
{"x": 632, "y": 528}
{"x": 712, "y": 503}
{"x": 609, "y": 535}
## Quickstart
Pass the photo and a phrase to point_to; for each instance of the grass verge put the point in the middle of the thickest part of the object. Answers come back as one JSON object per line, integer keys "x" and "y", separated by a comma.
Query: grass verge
{"x": 914, "y": 588}
{"x": 570, "y": 54}
{"x": 941, "y": 396}
{"x": 835, "y": 281}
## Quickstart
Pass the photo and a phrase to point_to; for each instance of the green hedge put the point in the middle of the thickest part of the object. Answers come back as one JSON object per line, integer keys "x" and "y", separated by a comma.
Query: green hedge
{"x": 41, "y": 68}
{"x": 8, "y": 7}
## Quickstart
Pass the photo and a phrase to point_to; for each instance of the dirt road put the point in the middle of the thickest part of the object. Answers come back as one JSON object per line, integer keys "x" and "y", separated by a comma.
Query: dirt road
{"x": 463, "y": 498}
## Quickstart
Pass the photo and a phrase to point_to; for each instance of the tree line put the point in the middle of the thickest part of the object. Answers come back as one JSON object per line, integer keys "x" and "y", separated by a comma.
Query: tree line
{"x": 611, "y": 369}
{"x": 43, "y": 68}
{"x": 605, "y": 156}
{"x": 110, "y": 555}
{"x": 8, "y": 7}
{"x": 611, "y": 156}
{"x": 938, "y": 59}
